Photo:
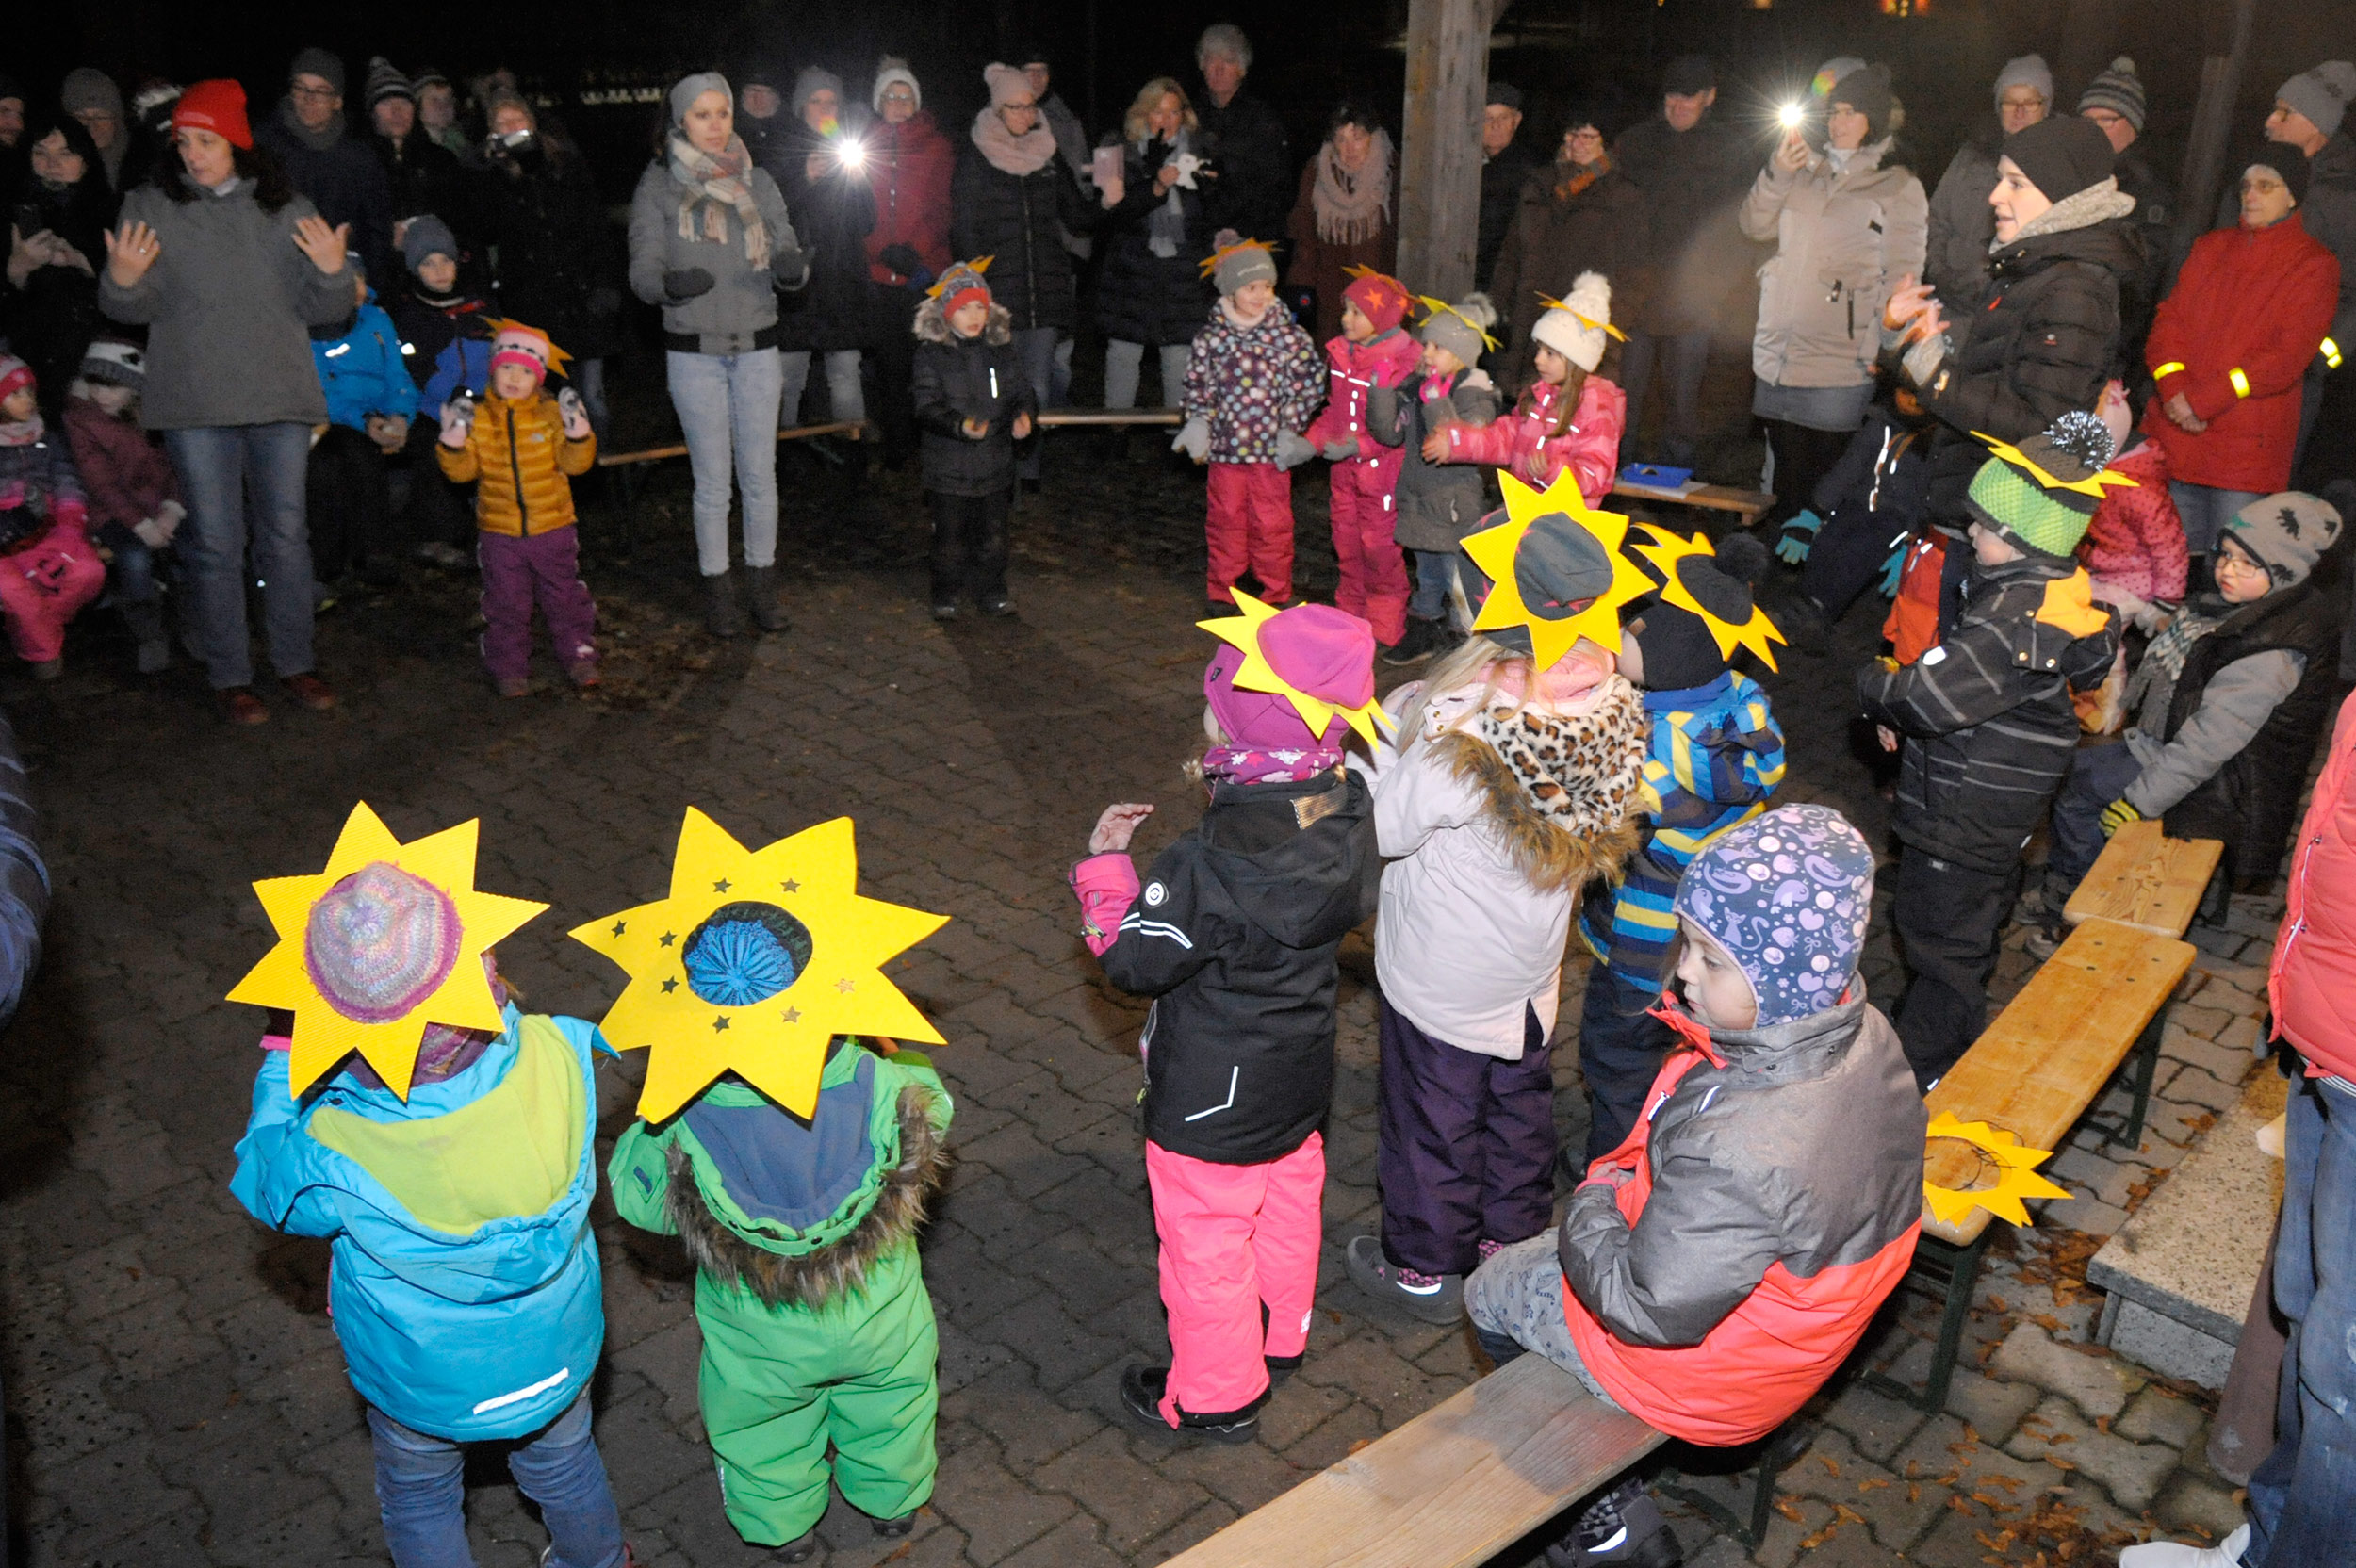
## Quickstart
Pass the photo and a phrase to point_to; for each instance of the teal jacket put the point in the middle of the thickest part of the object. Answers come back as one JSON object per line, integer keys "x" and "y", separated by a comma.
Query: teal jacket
{"x": 465, "y": 1285}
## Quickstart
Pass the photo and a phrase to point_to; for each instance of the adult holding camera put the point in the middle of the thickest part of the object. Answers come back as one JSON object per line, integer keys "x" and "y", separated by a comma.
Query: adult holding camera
{"x": 538, "y": 206}
{"x": 1152, "y": 292}
{"x": 822, "y": 169}
{"x": 56, "y": 242}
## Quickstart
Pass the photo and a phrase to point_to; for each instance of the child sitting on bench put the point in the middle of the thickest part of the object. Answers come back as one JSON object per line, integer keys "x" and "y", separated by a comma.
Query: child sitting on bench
{"x": 1716, "y": 1267}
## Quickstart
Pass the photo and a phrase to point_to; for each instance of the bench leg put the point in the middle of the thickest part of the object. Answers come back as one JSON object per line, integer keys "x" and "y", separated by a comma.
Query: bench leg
{"x": 2147, "y": 1070}
{"x": 1961, "y": 1265}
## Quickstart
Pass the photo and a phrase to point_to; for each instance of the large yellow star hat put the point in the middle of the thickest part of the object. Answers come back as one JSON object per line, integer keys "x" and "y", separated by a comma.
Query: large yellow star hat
{"x": 2016, "y": 1174}
{"x": 1727, "y": 625}
{"x": 385, "y": 940}
{"x": 1556, "y": 569}
{"x": 754, "y": 963}
{"x": 1329, "y": 654}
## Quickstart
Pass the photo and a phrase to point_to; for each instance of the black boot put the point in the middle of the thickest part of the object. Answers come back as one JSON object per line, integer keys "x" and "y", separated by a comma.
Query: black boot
{"x": 760, "y": 587}
{"x": 723, "y": 616}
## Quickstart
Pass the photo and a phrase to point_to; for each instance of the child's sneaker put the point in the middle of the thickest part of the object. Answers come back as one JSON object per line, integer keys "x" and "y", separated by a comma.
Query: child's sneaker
{"x": 514, "y": 688}
{"x": 1435, "y": 1299}
{"x": 800, "y": 1549}
{"x": 1624, "y": 1525}
{"x": 584, "y": 676}
{"x": 892, "y": 1529}
{"x": 2044, "y": 941}
{"x": 2172, "y": 1553}
{"x": 1141, "y": 1391}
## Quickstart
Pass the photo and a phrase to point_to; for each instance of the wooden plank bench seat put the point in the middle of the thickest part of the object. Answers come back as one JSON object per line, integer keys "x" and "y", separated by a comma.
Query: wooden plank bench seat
{"x": 1748, "y": 505}
{"x": 2146, "y": 880}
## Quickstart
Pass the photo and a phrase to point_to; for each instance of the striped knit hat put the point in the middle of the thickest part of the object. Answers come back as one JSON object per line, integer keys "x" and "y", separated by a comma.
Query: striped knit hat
{"x": 2042, "y": 494}
{"x": 380, "y": 942}
{"x": 2117, "y": 90}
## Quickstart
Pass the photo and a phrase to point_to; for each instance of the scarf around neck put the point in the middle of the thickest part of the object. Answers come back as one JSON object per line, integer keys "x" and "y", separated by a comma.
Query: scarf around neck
{"x": 1582, "y": 175}
{"x": 1353, "y": 208}
{"x": 1165, "y": 228}
{"x": 20, "y": 432}
{"x": 718, "y": 184}
{"x": 1014, "y": 154}
{"x": 1257, "y": 765}
{"x": 318, "y": 140}
{"x": 2151, "y": 689}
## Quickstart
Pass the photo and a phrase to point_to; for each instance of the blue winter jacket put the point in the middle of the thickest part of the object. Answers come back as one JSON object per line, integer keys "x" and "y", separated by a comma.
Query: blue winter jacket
{"x": 363, "y": 371}
{"x": 465, "y": 1284}
{"x": 463, "y": 361}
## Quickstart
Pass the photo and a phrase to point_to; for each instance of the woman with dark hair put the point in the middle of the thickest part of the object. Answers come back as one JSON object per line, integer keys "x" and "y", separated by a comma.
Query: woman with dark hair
{"x": 1152, "y": 292}
{"x": 1577, "y": 213}
{"x": 57, "y": 238}
{"x": 228, "y": 269}
{"x": 1346, "y": 215}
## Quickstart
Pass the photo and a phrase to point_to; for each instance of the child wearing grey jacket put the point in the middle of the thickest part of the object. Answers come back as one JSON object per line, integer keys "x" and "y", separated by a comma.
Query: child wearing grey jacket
{"x": 1437, "y": 504}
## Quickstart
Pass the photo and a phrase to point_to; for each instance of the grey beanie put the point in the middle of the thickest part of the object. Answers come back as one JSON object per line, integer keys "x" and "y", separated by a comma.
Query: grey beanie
{"x": 2026, "y": 71}
{"x": 2322, "y": 94}
{"x": 89, "y": 87}
{"x": 2117, "y": 90}
{"x": 114, "y": 362}
{"x": 809, "y": 83}
{"x": 319, "y": 62}
{"x": 382, "y": 81}
{"x": 688, "y": 88}
{"x": 1239, "y": 265}
{"x": 2287, "y": 533}
{"x": 427, "y": 235}
{"x": 1458, "y": 329}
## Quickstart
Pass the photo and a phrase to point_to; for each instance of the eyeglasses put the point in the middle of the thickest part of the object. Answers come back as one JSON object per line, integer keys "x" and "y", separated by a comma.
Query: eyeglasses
{"x": 314, "y": 94}
{"x": 899, "y": 97}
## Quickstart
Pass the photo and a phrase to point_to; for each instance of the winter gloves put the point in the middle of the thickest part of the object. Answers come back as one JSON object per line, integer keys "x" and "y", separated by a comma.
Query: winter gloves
{"x": 2118, "y": 814}
{"x": 156, "y": 532}
{"x": 1292, "y": 450}
{"x": 457, "y": 420}
{"x": 1194, "y": 439}
{"x": 682, "y": 284}
{"x": 1799, "y": 536}
{"x": 575, "y": 413}
{"x": 1341, "y": 450}
{"x": 789, "y": 267}
{"x": 1894, "y": 569}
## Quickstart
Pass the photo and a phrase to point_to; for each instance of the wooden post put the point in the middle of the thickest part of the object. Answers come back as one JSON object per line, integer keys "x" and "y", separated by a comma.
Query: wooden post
{"x": 2212, "y": 128}
{"x": 1439, "y": 176}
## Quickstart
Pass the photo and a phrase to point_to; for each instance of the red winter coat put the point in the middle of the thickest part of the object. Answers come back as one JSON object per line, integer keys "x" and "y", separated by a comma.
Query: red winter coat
{"x": 123, "y": 473}
{"x": 1522, "y": 440}
{"x": 2137, "y": 541}
{"x": 2312, "y": 982}
{"x": 910, "y": 167}
{"x": 2254, "y": 301}
{"x": 1353, "y": 372}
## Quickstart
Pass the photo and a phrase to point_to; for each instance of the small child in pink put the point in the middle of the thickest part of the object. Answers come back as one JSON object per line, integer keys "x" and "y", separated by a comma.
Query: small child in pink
{"x": 1235, "y": 934}
{"x": 1373, "y": 350}
{"x": 48, "y": 567}
{"x": 1570, "y": 418}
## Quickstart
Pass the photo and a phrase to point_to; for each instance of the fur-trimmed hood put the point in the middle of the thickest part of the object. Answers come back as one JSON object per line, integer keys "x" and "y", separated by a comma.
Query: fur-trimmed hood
{"x": 932, "y": 324}
{"x": 1563, "y": 788}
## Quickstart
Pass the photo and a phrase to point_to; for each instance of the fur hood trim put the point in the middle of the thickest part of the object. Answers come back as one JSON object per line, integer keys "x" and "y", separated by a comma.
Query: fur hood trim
{"x": 813, "y": 1278}
{"x": 932, "y": 324}
{"x": 1561, "y": 788}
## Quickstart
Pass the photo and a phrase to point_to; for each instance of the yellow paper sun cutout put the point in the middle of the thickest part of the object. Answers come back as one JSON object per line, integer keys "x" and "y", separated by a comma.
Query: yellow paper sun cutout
{"x": 1441, "y": 307}
{"x": 1665, "y": 552}
{"x": 1583, "y": 318}
{"x": 2017, "y": 1178}
{"x": 2091, "y": 485}
{"x": 1258, "y": 674}
{"x": 462, "y": 1000}
{"x": 1493, "y": 550}
{"x": 778, "y": 1043}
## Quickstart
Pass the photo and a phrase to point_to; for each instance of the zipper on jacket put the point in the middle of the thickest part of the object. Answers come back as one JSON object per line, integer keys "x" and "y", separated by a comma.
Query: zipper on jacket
{"x": 515, "y": 466}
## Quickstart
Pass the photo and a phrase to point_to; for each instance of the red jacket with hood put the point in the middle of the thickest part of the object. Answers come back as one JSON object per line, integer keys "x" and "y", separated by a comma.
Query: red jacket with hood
{"x": 1524, "y": 440}
{"x": 2312, "y": 982}
{"x": 1353, "y": 370}
{"x": 910, "y": 167}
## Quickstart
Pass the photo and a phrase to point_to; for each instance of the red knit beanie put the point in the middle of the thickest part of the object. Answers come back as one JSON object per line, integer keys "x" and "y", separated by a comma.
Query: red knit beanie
{"x": 217, "y": 106}
{"x": 16, "y": 375}
{"x": 1379, "y": 299}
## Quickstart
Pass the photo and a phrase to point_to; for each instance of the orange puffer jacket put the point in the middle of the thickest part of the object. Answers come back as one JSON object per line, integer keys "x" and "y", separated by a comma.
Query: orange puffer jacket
{"x": 519, "y": 454}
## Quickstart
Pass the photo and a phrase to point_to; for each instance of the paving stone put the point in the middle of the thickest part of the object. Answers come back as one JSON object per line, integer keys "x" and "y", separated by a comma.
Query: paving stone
{"x": 2130, "y": 1471}
{"x": 2186, "y": 1504}
{"x": 1993, "y": 1408}
{"x": 2096, "y": 1384}
{"x": 2158, "y": 1417}
{"x": 1873, "y": 1422}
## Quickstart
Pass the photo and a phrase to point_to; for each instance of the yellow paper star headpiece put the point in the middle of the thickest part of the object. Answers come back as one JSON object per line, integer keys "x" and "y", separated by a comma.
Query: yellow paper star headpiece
{"x": 1258, "y": 674}
{"x": 442, "y": 981}
{"x": 769, "y": 1014}
{"x": 2090, "y": 485}
{"x": 556, "y": 357}
{"x": 1210, "y": 263}
{"x": 1438, "y": 307}
{"x": 1665, "y": 552}
{"x": 979, "y": 266}
{"x": 2016, "y": 1180}
{"x": 1589, "y": 323}
{"x": 1493, "y": 550}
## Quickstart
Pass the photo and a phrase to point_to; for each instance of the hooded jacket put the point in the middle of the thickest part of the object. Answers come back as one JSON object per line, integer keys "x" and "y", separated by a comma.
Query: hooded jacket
{"x": 1986, "y": 714}
{"x": 520, "y": 461}
{"x": 1438, "y": 503}
{"x": 1020, "y": 222}
{"x": 1233, "y": 935}
{"x": 1843, "y": 238}
{"x": 429, "y": 323}
{"x": 1252, "y": 384}
{"x": 2311, "y": 981}
{"x": 1774, "y": 1201}
{"x": 1353, "y": 370}
{"x": 1551, "y": 240}
{"x": 1525, "y": 440}
{"x": 362, "y": 369}
{"x": 465, "y": 1286}
{"x": 956, "y": 379}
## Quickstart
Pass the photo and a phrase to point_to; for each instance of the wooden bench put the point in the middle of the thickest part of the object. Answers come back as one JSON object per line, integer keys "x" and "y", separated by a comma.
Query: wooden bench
{"x": 1748, "y": 505}
{"x": 2048, "y": 1055}
{"x": 2146, "y": 880}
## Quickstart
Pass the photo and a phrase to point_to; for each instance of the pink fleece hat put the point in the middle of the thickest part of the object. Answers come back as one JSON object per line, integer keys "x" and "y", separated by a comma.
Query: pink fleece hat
{"x": 16, "y": 375}
{"x": 516, "y": 344}
{"x": 1382, "y": 299}
{"x": 1325, "y": 653}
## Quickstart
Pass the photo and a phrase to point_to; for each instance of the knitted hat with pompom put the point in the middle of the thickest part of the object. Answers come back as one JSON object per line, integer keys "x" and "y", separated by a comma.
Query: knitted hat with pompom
{"x": 1574, "y": 328}
{"x": 2035, "y": 512}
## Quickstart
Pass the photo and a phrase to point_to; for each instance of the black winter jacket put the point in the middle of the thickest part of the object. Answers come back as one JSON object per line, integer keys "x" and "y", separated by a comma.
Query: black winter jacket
{"x": 559, "y": 261}
{"x": 1235, "y": 936}
{"x": 1140, "y": 297}
{"x": 1551, "y": 243}
{"x": 1438, "y": 503}
{"x": 1254, "y": 190}
{"x": 2252, "y": 803}
{"x": 343, "y": 180}
{"x": 1689, "y": 184}
{"x": 832, "y": 218}
{"x": 1018, "y": 220}
{"x": 1501, "y": 180}
{"x": 956, "y": 379}
{"x": 1986, "y": 714}
{"x": 425, "y": 177}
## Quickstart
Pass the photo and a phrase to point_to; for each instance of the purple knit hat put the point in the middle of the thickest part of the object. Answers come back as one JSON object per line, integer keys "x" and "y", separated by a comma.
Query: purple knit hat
{"x": 1787, "y": 896}
{"x": 380, "y": 942}
{"x": 1317, "y": 649}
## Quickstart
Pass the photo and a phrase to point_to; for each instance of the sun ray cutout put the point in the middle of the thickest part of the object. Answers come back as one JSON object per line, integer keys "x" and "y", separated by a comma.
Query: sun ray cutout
{"x": 1758, "y": 633}
{"x": 2090, "y": 485}
{"x": 1258, "y": 674}
{"x": 2016, "y": 1180}
{"x": 1493, "y": 550}
{"x": 323, "y": 1036}
{"x": 777, "y": 1044}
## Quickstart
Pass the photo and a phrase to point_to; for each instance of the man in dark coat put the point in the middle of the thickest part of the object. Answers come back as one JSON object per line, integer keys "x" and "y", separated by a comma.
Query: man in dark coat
{"x": 1505, "y": 163}
{"x": 1252, "y": 192}
{"x": 423, "y": 175}
{"x": 2115, "y": 102}
{"x": 1689, "y": 171}
{"x": 335, "y": 170}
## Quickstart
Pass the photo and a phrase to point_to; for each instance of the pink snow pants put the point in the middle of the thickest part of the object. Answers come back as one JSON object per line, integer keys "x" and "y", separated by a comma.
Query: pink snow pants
{"x": 43, "y": 585}
{"x": 1250, "y": 525}
{"x": 1366, "y": 542}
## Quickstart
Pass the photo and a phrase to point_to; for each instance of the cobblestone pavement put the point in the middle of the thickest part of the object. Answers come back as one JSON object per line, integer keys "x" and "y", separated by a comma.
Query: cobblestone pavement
{"x": 174, "y": 1390}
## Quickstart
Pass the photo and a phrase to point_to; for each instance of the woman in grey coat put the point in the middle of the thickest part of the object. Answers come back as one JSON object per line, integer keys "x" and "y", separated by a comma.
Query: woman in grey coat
{"x": 229, "y": 269}
{"x": 710, "y": 243}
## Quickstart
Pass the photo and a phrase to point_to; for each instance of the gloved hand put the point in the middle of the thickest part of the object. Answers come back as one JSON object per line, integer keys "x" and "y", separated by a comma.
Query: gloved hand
{"x": 1341, "y": 450}
{"x": 789, "y": 267}
{"x": 1194, "y": 439}
{"x": 1292, "y": 450}
{"x": 1894, "y": 569}
{"x": 901, "y": 259}
{"x": 576, "y": 414}
{"x": 457, "y": 420}
{"x": 2118, "y": 814}
{"x": 1799, "y": 536}
{"x": 156, "y": 532}
{"x": 682, "y": 284}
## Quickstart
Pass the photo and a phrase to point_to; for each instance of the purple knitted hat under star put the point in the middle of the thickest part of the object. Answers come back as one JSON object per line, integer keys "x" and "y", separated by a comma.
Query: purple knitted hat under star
{"x": 1317, "y": 649}
{"x": 1787, "y": 896}
{"x": 380, "y": 942}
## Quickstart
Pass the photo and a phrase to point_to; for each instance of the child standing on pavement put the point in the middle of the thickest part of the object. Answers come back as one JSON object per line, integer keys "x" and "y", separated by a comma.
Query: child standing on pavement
{"x": 1436, "y": 506}
{"x": 1234, "y": 935}
{"x": 518, "y": 449}
{"x": 1570, "y": 418}
{"x": 1252, "y": 384}
{"x": 973, "y": 401}
{"x": 1372, "y": 351}
{"x": 135, "y": 504}
{"x": 48, "y": 569}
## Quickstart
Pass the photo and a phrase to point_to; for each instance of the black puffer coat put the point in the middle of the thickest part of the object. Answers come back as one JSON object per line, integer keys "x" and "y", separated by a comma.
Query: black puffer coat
{"x": 832, "y": 218}
{"x": 560, "y": 266}
{"x": 1235, "y": 935}
{"x": 1254, "y": 187}
{"x": 1986, "y": 715}
{"x": 1688, "y": 184}
{"x": 1140, "y": 297}
{"x": 1018, "y": 221}
{"x": 2252, "y": 803}
{"x": 956, "y": 379}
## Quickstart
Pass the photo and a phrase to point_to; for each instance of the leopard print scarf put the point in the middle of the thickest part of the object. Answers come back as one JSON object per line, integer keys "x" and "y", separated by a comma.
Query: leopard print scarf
{"x": 1563, "y": 788}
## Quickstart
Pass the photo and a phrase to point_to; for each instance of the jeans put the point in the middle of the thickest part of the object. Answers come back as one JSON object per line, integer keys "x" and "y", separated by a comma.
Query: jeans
{"x": 845, "y": 397}
{"x": 1036, "y": 346}
{"x": 1059, "y": 390}
{"x": 1947, "y": 917}
{"x": 728, "y": 408}
{"x": 1621, "y": 1047}
{"x": 421, "y": 1492}
{"x": 1516, "y": 1303}
{"x": 2206, "y": 510}
{"x": 1124, "y": 363}
{"x": 1435, "y": 575}
{"x": 215, "y": 464}
{"x": 1683, "y": 358}
{"x": 2303, "y": 1493}
{"x": 2098, "y": 776}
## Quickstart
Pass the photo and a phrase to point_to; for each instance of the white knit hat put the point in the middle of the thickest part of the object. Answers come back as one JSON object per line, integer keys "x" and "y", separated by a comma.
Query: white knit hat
{"x": 888, "y": 69}
{"x": 1575, "y": 326}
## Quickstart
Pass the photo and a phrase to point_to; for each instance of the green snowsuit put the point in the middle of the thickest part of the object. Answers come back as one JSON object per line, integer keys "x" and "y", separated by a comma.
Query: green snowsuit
{"x": 815, "y": 1321}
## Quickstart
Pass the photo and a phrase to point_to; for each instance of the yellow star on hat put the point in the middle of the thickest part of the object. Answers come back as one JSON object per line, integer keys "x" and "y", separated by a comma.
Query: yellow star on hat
{"x": 2016, "y": 1174}
{"x": 1441, "y": 307}
{"x": 450, "y": 986}
{"x": 803, "y": 886}
{"x": 1493, "y": 550}
{"x": 2090, "y": 485}
{"x": 1665, "y": 552}
{"x": 1258, "y": 674}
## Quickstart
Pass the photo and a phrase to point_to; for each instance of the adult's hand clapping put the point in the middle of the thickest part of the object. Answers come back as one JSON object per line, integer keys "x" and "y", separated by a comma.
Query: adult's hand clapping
{"x": 323, "y": 245}
{"x": 130, "y": 252}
